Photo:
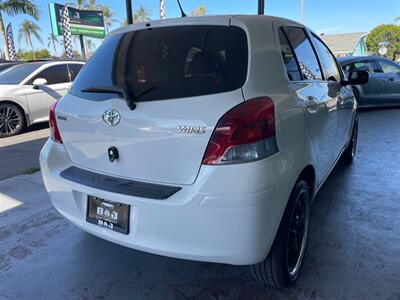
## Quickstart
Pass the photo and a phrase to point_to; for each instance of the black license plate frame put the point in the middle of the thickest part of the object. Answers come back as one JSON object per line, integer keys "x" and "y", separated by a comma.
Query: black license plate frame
{"x": 108, "y": 214}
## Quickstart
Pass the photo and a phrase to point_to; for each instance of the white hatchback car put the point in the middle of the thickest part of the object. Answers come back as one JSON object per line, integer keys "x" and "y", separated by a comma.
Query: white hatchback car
{"x": 203, "y": 138}
{"x": 27, "y": 90}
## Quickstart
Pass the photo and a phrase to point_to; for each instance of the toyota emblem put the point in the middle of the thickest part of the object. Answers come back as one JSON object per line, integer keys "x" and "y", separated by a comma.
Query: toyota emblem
{"x": 111, "y": 117}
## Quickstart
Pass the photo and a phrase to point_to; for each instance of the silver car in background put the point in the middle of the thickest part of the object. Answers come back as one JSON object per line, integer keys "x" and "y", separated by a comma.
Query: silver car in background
{"x": 383, "y": 87}
{"x": 27, "y": 91}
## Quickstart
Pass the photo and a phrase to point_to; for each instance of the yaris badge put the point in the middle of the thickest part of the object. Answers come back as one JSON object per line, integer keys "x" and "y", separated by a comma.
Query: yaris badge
{"x": 111, "y": 117}
{"x": 191, "y": 129}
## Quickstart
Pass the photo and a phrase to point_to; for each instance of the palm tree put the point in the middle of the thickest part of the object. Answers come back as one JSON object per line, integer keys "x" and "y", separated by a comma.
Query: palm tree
{"x": 88, "y": 4}
{"x": 28, "y": 29}
{"x": 302, "y": 11}
{"x": 141, "y": 15}
{"x": 199, "y": 11}
{"x": 90, "y": 46}
{"x": 12, "y": 8}
{"x": 108, "y": 17}
{"x": 52, "y": 41}
{"x": 91, "y": 4}
{"x": 79, "y": 3}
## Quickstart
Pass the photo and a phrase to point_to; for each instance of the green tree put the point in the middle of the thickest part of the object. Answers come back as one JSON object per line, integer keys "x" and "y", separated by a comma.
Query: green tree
{"x": 140, "y": 15}
{"x": 90, "y": 46}
{"x": 90, "y": 4}
{"x": 108, "y": 17}
{"x": 28, "y": 29}
{"x": 12, "y": 8}
{"x": 29, "y": 55}
{"x": 199, "y": 11}
{"x": 384, "y": 33}
{"x": 87, "y": 4}
{"x": 79, "y": 3}
{"x": 52, "y": 41}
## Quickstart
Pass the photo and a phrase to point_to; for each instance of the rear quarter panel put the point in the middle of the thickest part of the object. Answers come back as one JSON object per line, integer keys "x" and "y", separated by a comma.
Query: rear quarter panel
{"x": 267, "y": 77}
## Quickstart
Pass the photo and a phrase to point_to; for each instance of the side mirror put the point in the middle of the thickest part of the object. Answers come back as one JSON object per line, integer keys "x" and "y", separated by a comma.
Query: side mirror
{"x": 357, "y": 77}
{"x": 39, "y": 82}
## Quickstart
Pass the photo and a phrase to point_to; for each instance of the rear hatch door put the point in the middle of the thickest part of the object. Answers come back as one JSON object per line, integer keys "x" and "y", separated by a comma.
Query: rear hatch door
{"x": 183, "y": 79}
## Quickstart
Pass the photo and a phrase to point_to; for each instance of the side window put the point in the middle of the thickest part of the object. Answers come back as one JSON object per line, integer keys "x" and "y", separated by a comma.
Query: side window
{"x": 54, "y": 74}
{"x": 365, "y": 66}
{"x": 289, "y": 59}
{"x": 74, "y": 70}
{"x": 388, "y": 67}
{"x": 329, "y": 66}
{"x": 347, "y": 68}
{"x": 360, "y": 65}
{"x": 308, "y": 61}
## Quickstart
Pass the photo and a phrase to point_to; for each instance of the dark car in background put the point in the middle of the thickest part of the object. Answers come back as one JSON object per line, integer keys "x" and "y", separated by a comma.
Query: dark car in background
{"x": 383, "y": 87}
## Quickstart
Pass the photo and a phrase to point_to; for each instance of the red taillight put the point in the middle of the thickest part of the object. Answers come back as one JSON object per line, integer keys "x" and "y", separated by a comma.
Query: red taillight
{"x": 245, "y": 133}
{"x": 54, "y": 132}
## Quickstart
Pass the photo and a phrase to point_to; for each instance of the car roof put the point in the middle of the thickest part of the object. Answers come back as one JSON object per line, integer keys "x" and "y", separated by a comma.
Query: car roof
{"x": 351, "y": 59}
{"x": 54, "y": 60}
{"x": 40, "y": 63}
{"x": 200, "y": 20}
{"x": 10, "y": 63}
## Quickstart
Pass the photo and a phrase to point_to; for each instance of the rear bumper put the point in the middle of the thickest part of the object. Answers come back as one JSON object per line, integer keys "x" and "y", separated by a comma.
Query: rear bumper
{"x": 229, "y": 215}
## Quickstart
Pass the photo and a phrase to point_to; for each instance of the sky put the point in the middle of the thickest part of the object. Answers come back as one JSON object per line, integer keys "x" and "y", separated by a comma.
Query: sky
{"x": 322, "y": 16}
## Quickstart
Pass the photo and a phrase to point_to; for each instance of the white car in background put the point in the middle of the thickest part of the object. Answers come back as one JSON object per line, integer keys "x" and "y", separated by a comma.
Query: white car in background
{"x": 27, "y": 90}
{"x": 203, "y": 138}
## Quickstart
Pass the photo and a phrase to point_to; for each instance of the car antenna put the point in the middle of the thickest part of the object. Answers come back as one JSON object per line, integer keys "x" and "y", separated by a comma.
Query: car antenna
{"x": 180, "y": 8}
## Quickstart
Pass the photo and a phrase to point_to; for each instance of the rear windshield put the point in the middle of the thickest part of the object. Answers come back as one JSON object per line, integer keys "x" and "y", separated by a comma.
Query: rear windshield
{"x": 168, "y": 63}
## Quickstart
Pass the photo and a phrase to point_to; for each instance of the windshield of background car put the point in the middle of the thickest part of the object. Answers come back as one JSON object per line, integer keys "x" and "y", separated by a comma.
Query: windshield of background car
{"x": 168, "y": 62}
{"x": 17, "y": 73}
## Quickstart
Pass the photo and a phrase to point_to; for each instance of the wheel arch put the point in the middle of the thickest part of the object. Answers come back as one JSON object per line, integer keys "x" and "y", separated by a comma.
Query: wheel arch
{"x": 24, "y": 111}
{"x": 358, "y": 93}
{"x": 308, "y": 175}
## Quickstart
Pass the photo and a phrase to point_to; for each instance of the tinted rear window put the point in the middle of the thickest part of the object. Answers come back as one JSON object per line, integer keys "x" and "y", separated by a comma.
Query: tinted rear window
{"x": 97, "y": 71}
{"x": 169, "y": 62}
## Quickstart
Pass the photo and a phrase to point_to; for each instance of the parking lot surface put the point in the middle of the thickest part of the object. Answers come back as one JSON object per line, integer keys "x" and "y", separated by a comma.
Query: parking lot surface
{"x": 353, "y": 252}
{"x": 20, "y": 154}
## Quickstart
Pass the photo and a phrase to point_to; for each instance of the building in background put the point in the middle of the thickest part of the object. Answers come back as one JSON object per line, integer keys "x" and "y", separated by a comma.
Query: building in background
{"x": 346, "y": 44}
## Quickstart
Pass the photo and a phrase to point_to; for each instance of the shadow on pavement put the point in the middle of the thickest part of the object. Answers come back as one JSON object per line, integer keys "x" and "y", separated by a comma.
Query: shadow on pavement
{"x": 35, "y": 127}
{"x": 18, "y": 158}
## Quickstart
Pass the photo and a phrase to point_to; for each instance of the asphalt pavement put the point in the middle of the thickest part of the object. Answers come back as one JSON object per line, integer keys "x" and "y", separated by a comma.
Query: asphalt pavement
{"x": 20, "y": 154}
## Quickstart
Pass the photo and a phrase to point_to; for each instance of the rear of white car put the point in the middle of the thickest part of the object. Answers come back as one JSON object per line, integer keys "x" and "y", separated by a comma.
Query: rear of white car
{"x": 171, "y": 140}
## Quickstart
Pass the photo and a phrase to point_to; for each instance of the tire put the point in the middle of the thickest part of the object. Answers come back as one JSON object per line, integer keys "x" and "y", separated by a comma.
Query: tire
{"x": 281, "y": 268}
{"x": 12, "y": 120}
{"x": 349, "y": 153}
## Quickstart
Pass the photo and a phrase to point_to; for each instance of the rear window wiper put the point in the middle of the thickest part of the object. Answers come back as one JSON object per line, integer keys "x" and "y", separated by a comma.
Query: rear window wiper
{"x": 130, "y": 99}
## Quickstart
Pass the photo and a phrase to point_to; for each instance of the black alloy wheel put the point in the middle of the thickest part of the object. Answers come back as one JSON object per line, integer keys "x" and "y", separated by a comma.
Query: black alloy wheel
{"x": 12, "y": 120}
